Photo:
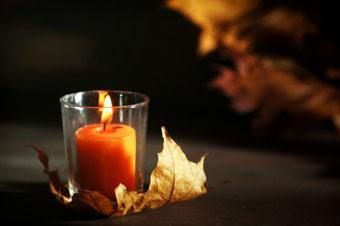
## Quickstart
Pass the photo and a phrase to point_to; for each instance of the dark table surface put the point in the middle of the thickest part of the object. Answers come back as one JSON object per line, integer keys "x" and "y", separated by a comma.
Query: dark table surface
{"x": 265, "y": 187}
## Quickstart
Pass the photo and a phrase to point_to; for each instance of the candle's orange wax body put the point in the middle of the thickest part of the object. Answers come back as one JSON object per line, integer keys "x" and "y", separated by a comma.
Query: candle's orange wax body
{"x": 106, "y": 158}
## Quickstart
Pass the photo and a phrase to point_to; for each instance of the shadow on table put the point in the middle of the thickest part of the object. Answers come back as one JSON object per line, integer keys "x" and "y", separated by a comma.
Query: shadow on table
{"x": 32, "y": 202}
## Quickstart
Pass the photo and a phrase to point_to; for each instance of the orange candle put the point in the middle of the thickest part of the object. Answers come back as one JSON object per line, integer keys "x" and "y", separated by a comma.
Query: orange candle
{"x": 106, "y": 155}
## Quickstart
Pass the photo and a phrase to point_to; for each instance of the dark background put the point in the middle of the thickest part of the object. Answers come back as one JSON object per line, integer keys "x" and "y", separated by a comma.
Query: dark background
{"x": 55, "y": 48}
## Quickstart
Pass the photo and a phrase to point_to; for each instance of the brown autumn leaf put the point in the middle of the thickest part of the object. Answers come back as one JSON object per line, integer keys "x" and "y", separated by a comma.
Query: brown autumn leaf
{"x": 272, "y": 86}
{"x": 211, "y": 17}
{"x": 57, "y": 188}
{"x": 174, "y": 179}
{"x": 90, "y": 201}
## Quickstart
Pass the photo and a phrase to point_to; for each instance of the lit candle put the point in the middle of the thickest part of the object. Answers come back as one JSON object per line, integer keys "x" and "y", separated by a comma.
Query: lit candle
{"x": 106, "y": 154}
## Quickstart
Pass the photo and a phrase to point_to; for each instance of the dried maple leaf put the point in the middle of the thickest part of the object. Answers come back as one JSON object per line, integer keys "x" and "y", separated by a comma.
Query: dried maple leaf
{"x": 211, "y": 17}
{"x": 58, "y": 189}
{"x": 270, "y": 87}
{"x": 174, "y": 179}
{"x": 274, "y": 49}
{"x": 91, "y": 201}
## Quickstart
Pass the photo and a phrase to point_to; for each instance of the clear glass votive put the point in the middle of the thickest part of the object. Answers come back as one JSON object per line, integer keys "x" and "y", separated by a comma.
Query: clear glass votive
{"x": 104, "y": 138}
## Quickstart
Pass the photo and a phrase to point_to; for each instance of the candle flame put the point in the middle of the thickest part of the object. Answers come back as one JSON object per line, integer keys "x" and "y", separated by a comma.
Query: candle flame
{"x": 101, "y": 98}
{"x": 107, "y": 110}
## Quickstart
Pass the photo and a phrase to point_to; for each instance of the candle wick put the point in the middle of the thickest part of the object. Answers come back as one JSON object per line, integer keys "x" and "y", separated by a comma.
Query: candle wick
{"x": 104, "y": 126}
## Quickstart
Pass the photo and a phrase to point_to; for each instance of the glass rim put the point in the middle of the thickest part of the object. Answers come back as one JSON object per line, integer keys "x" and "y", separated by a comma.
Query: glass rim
{"x": 144, "y": 102}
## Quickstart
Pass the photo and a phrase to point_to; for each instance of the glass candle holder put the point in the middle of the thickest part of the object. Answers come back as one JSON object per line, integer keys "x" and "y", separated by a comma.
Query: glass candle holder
{"x": 104, "y": 138}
